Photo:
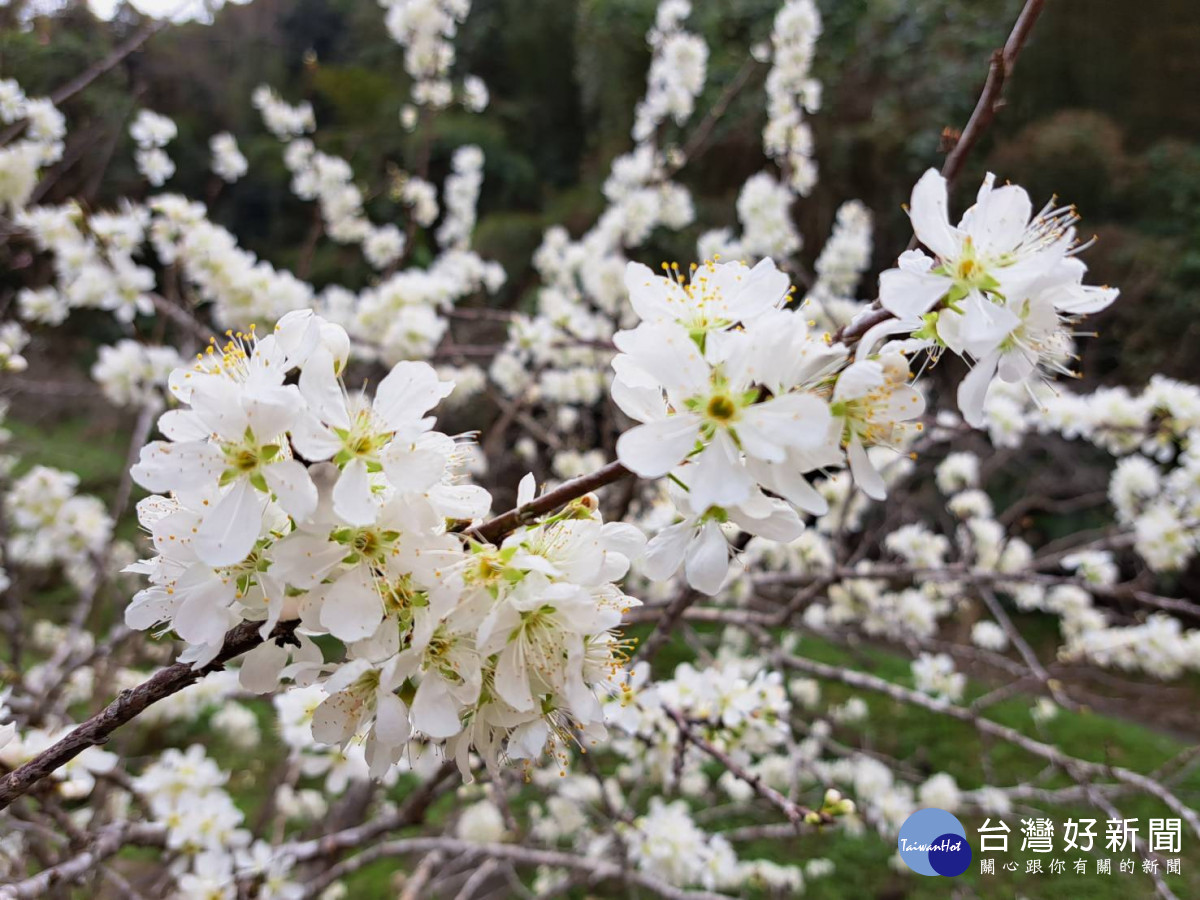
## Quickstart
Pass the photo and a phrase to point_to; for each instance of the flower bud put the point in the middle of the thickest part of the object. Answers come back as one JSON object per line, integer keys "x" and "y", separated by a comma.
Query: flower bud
{"x": 334, "y": 339}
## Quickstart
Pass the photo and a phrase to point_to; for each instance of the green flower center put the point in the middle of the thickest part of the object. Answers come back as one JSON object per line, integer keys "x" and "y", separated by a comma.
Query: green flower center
{"x": 721, "y": 408}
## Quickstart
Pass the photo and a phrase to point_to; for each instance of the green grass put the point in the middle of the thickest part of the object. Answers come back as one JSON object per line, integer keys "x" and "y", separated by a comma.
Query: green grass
{"x": 94, "y": 453}
{"x": 932, "y": 743}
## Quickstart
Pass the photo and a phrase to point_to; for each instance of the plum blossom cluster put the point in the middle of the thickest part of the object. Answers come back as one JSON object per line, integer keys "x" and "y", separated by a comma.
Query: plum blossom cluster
{"x": 764, "y": 209}
{"x": 734, "y": 396}
{"x": 228, "y": 162}
{"x": 152, "y": 132}
{"x": 186, "y": 794}
{"x": 240, "y": 287}
{"x": 40, "y": 143}
{"x": 677, "y": 73}
{"x": 302, "y": 501}
{"x": 51, "y": 524}
{"x": 96, "y": 262}
{"x": 556, "y": 357}
{"x": 1002, "y": 288}
{"x": 420, "y": 196}
{"x": 792, "y": 93}
{"x": 397, "y": 318}
{"x": 461, "y": 194}
{"x": 13, "y": 339}
{"x": 744, "y": 711}
{"x": 934, "y": 673}
{"x": 135, "y": 375}
{"x": 841, "y": 263}
{"x": 1153, "y": 489}
{"x": 329, "y": 180}
{"x": 282, "y": 119}
{"x": 401, "y": 317}
{"x": 426, "y": 29}
{"x": 981, "y": 555}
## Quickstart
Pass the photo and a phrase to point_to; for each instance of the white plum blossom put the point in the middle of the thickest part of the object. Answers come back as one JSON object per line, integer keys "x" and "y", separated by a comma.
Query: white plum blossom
{"x": 1002, "y": 287}
{"x": 228, "y": 162}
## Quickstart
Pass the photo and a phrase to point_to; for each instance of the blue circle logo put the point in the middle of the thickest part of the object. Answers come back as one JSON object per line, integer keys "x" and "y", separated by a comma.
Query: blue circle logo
{"x": 933, "y": 842}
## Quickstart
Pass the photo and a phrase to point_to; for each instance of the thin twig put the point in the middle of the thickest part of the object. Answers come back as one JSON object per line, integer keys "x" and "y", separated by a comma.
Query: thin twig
{"x": 797, "y": 814}
{"x": 109, "y": 842}
{"x": 1000, "y": 69}
{"x": 66, "y": 91}
{"x": 491, "y": 531}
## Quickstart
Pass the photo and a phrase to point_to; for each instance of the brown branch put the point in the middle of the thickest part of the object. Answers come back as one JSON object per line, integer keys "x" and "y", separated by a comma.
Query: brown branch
{"x": 698, "y": 141}
{"x": 109, "y": 842}
{"x": 663, "y": 624}
{"x": 494, "y": 529}
{"x": 419, "y": 880}
{"x": 66, "y": 91}
{"x": 992, "y": 602}
{"x": 796, "y": 813}
{"x": 128, "y": 705}
{"x": 1003, "y": 61}
{"x": 411, "y": 812}
{"x": 1000, "y": 70}
{"x": 184, "y": 318}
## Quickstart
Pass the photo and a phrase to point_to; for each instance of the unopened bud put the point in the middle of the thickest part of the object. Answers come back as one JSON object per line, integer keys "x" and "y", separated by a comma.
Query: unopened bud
{"x": 337, "y": 342}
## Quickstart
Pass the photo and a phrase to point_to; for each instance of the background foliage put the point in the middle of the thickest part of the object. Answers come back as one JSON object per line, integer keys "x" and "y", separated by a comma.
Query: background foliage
{"x": 1102, "y": 109}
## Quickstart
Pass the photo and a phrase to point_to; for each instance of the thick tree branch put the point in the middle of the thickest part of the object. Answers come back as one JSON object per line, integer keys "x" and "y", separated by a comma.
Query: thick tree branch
{"x": 127, "y": 706}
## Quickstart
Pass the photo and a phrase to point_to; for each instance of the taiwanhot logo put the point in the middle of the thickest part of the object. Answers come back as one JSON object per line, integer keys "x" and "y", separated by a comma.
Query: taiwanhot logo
{"x": 934, "y": 842}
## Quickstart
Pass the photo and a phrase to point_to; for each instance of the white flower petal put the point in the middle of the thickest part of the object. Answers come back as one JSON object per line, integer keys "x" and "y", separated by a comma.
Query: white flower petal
{"x": 350, "y": 607}
{"x": 231, "y": 527}
{"x": 335, "y": 720}
{"x": 998, "y": 221}
{"x": 512, "y": 681}
{"x": 434, "y": 711}
{"x": 972, "y": 392}
{"x": 322, "y": 391}
{"x": 353, "y": 499}
{"x": 866, "y": 476}
{"x": 792, "y": 420}
{"x": 288, "y": 479}
{"x": 262, "y": 666}
{"x": 653, "y": 449}
{"x": 165, "y": 466}
{"x": 665, "y": 552}
{"x": 718, "y": 478}
{"x": 409, "y": 391}
{"x": 708, "y": 559}
{"x": 909, "y": 295}
{"x": 930, "y": 213}
{"x": 391, "y": 720}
